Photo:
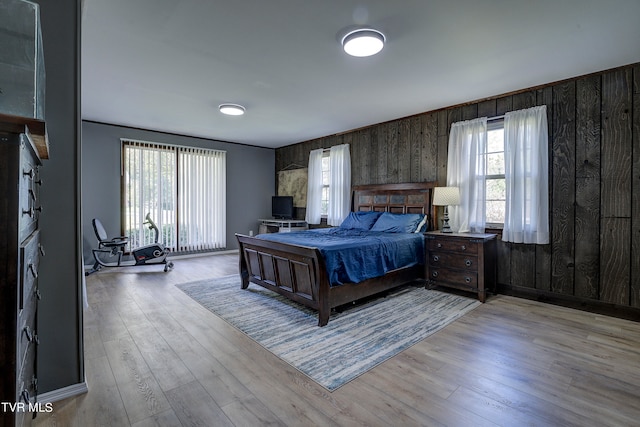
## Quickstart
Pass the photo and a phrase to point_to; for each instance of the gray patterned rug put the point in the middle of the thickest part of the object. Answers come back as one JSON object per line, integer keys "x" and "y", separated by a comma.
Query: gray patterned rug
{"x": 353, "y": 342}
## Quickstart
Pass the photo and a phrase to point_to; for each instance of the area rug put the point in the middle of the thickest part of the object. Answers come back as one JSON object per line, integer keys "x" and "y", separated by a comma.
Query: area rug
{"x": 355, "y": 340}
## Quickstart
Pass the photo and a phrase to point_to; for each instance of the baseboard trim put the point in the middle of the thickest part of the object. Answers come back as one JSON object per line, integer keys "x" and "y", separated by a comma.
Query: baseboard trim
{"x": 584, "y": 304}
{"x": 64, "y": 393}
{"x": 201, "y": 254}
{"x": 185, "y": 256}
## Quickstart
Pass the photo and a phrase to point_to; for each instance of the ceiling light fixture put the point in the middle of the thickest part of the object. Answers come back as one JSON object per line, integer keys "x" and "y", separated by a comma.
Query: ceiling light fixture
{"x": 363, "y": 42}
{"x": 232, "y": 109}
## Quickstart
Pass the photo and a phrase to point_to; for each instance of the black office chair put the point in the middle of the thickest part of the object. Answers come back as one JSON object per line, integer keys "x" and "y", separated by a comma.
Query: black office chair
{"x": 115, "y": 244}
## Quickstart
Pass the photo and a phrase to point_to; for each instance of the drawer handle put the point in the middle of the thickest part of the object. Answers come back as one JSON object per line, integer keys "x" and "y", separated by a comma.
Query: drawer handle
{"x": 38, "y": 209}
{"x": 32, "y": 269}
{"x": 38, "y": 182}
{"x": 41, "y": 249}
{"x": 27, "y": 333}
{"x": 434, "y": 274}
{"x": 32, "y": 194}
{"x": 29, "y": 173}
{"x": 467, "y": 279}
{"x": 436, "y": 258}
{"x": 463, "y": 247}
{"x": 468, "y": 263}
{"x": 29, "y": 212}
{"x": 439, "y": 245}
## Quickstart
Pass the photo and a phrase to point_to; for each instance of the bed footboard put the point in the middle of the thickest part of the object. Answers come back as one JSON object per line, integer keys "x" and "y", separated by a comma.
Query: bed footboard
{"x": 297, "y": 272}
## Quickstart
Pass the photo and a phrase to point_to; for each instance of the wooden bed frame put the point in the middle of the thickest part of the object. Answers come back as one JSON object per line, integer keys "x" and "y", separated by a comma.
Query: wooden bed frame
{"x": 299, "y": 272}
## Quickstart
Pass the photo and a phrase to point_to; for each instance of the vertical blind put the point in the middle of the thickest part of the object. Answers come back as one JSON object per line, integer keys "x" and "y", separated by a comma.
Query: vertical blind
{"x": 202, "y": 199}
{"x": 183, "y": 190}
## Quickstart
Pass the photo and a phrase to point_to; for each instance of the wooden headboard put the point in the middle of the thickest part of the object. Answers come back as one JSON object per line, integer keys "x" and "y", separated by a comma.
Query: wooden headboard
{"x": 411, "y": 197}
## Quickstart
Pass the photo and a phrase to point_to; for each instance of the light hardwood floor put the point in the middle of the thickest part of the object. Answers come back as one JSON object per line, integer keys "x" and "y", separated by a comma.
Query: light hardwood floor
{"x": 155, "y": 357}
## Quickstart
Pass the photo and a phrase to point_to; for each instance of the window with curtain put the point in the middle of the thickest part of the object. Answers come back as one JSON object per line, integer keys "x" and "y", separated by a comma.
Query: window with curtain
{"x": 182, "y": 188}
{"x": 501, "y": 168}
{"x": 329, "y": 185}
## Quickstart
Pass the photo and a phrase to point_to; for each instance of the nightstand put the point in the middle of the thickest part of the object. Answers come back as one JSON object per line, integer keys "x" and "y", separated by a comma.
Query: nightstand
{"x": 465, "y": 261}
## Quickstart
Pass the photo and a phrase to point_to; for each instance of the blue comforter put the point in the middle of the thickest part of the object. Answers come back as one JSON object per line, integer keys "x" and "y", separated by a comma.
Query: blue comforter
{"x": 352, "y": 256}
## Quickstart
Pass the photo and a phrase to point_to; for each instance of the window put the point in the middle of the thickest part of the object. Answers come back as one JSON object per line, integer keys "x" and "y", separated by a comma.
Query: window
{"x": 495, "y": 195}
{"x": 501, "y": 170}
{"x": 329, "y": 185}
{"x": 326, "y": 173}
{"x": 183, "y": 190}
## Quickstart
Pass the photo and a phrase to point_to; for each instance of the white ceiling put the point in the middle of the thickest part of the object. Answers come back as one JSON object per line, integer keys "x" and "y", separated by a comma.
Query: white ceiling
{"x": 167, "y": 64}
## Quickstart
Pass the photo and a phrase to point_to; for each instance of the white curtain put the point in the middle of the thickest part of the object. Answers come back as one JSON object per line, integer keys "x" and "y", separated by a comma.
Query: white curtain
{"x": 339, "y": 184}
{"x": 526, "y": 176}
{"x": 466, "y": 169}
{"x": 314, "y": 187}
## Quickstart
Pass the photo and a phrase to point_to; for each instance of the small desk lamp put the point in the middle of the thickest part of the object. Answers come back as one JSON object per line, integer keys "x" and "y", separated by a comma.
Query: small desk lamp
{"x": 446, "y": 196}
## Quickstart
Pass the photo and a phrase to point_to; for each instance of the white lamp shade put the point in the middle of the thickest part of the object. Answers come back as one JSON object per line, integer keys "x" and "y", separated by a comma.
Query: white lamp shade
{"x": 363, "y": 42}
{"x": 446, "y": 196}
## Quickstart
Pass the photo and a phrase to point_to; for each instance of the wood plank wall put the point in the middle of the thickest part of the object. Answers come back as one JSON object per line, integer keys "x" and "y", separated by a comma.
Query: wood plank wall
{"x": 594, "y": 137}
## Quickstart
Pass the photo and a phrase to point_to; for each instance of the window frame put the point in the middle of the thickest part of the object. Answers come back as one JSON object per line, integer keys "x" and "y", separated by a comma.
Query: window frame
{"x": 324, "y": 208}
{"x": 494, "y": 125}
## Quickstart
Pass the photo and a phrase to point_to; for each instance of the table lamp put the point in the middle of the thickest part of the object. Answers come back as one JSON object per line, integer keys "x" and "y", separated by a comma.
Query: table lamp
{"x": 446, "y": 196}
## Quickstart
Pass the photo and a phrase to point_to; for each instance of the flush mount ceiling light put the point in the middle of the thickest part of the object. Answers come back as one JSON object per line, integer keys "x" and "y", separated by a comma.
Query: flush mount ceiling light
{"x": 363, "y": 42}
{"x": 231, "y": 109}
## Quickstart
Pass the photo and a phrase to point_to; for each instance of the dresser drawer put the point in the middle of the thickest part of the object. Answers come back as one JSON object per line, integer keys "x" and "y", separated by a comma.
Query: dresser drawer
{"x": 28, "y": 190}
{"x": 464, "y": 279}
{"x": 453, "y": 260}
{"x": 27, "y": 336}
{"x": 30, "y": 252}
{"x": 27, "y": 383}
{"x": 31, "y": 299}
{"x": 453, "y": 245}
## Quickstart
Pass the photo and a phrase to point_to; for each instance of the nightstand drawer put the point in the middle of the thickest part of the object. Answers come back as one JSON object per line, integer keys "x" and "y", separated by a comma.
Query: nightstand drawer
{"x": 453, "y": 245}
{"x": 468, "y": 279}
{"x": 450, "y": 260}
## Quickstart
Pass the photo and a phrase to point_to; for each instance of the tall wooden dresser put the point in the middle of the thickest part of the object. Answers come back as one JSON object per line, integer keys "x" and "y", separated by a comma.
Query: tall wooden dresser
{"x": 23, "y": 143}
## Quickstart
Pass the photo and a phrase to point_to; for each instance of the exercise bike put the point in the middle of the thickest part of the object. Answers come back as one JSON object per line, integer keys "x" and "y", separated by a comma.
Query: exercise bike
{"x": 154, "y": 253}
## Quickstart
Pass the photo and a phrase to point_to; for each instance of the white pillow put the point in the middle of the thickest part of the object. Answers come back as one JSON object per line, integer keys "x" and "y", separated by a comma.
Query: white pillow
{"x": 421, "y": 224}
